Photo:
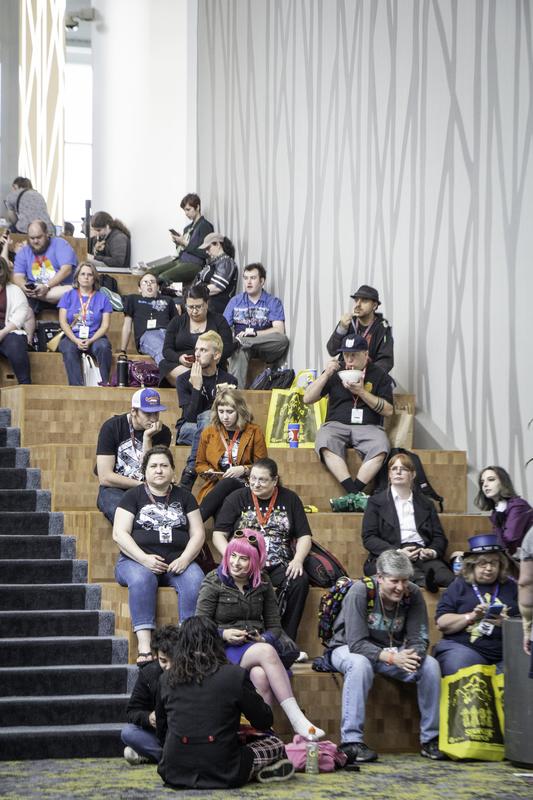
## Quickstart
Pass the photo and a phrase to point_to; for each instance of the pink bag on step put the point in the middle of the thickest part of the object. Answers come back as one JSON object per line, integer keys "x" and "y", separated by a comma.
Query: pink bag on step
{"x": 329, "y": 755}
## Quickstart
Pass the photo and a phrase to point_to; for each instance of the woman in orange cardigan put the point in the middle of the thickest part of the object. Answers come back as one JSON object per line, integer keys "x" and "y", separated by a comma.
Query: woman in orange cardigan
{"x": 228, "y": 448}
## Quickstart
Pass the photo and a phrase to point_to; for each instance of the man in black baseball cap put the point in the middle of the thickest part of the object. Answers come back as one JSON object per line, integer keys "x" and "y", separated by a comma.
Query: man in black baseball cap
{"x": 357, "y": 402}
{"x": 370, "y": 325}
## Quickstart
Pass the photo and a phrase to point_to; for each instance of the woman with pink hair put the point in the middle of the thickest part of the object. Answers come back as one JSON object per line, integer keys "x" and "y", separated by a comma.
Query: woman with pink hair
{"x": 239, "y": 597}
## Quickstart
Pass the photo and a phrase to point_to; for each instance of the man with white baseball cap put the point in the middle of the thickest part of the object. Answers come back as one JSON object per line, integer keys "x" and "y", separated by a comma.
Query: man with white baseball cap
{"x": 122, "y": 442}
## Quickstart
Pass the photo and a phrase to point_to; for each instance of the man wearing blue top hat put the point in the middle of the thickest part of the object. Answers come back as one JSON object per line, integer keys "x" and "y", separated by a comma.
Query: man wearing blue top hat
{"x": 472, "y": 608}
{"x": 358, "y": 399}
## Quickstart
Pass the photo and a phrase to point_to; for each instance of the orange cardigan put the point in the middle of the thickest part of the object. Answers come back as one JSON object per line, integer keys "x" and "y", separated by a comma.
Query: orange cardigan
{"x": 252, "y": 447}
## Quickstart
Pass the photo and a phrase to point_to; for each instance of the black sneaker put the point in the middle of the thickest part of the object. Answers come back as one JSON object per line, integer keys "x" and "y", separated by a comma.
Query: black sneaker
{"x": 187, "y": 479}
{"x": 431, "y": 750}
{"x": 279, "y": 771}
{"x": 358, "y": 751}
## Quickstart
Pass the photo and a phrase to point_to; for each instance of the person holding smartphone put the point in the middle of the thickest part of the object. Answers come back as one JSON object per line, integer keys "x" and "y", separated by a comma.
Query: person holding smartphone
{"x": 472, "y": 608}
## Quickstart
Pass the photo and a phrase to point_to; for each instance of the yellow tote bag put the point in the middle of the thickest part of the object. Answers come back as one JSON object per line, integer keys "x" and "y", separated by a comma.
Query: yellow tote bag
{"x": 286, "y": 405}
{"x": 471, "y": 714}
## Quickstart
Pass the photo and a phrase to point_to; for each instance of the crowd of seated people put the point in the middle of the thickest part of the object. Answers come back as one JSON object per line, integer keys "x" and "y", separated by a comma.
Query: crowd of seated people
{"x": 262, "y": 536}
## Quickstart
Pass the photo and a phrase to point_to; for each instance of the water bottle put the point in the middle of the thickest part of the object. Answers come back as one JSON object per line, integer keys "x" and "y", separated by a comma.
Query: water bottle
{"x": 122, "y": 370}
{"x": 457, "y": 565}
{"x": 311, "y": 752}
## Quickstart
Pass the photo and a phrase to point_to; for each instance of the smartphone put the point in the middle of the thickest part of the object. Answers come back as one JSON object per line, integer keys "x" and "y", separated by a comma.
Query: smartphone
{"x": 30, "y": 286}
{"x": 494, "y": 611}
{"x": 173, "y": 232}
{"x": 251, "y": 633}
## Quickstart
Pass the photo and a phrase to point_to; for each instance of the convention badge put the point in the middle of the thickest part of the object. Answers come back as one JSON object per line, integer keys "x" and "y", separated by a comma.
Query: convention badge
{"x": 357, "y": 416}
{"x": 249, "y": 332}
{"x": 485, "y": 628}
{"x": 150, "y": 324}
{"x": 83, "y": 332}
{"x": 165, "y": 534}
{"x": 369, "y": 386}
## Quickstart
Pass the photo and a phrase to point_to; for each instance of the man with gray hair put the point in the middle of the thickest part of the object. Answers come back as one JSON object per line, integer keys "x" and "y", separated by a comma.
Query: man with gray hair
{"x": 383, "y": 627}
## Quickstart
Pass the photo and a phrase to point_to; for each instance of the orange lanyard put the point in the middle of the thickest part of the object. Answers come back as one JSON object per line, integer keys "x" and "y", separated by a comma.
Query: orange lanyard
{"x": 228, "y": 446}
{"x": 263, "y": 520}
{"x": 84, "y": 307}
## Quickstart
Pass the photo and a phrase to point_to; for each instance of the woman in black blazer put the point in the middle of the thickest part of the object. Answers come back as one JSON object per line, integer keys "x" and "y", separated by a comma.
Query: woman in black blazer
{"x": 198, "y": 710}
{"x": 404, "y": 518}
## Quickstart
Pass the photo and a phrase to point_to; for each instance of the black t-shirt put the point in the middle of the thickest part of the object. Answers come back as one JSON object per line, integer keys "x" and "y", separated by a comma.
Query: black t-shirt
{"x": 114, "y": 439}
{"x": 287, "y": 522}
{"x": 193, "y": 402}
{"x": 142, "y": 309}
{"x": 160, "y": 528}
{"x": 341, "y": 400}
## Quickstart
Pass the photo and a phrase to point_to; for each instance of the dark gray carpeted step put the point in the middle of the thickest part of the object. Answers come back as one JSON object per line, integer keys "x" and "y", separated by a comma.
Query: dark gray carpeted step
{"x": 67, "y": 680}
{"x": 24, "y": 500}
{"x": 42, "y": 523}
{"x": 14, "y": 457}
{"x": 60, "y": 710}
{"x": 56, "y": 623}
{"x": 9, "y": 437}
{"x": 68, "y": 741}
{"x": 38, "y": 547}
{"x": 70, "y": 596}
{"x": 48, "y": 651}
{"x": 5, "y": 417}
{"x": 14, "y": 478}
{"x": 36, "y": 570}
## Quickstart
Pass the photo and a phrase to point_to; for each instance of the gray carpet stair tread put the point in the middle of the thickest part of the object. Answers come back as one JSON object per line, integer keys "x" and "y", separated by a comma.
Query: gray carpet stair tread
{"x": 54, "y": 730}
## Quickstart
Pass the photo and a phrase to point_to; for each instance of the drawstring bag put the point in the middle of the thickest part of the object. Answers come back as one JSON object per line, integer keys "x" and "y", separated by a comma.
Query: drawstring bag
{"x": 330, "y": 757}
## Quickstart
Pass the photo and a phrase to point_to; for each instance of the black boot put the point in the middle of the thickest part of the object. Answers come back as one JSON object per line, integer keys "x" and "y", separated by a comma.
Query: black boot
{"x": 188, "y": 477}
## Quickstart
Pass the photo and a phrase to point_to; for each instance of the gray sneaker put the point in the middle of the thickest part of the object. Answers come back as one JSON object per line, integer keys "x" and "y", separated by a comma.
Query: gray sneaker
{"x": 358, "y": 752}
{"x": 279, "y": 771}
{"x": 133, "y": 758}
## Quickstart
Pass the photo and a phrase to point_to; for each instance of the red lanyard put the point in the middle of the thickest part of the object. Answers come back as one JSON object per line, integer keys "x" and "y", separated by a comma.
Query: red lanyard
{"x": 228, "y": 446}
{"x": 84, "y": 307}
{"x": 152, "y": 498}
{"x": 356, "y": 396}
{"x": 263, "y": 520}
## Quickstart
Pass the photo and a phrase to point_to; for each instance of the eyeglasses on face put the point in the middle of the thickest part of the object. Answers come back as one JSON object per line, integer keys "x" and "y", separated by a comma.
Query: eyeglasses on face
{"x": 260, "y": 481}
{"x": 194, "y": 309}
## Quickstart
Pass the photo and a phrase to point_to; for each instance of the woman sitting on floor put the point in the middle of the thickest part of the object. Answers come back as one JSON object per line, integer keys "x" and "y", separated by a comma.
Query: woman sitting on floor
{"x": 199, "y": 706}
{"x": 240, "y": 599}
{"x": 228, "y": 448}
{"x": 160, "y": 532}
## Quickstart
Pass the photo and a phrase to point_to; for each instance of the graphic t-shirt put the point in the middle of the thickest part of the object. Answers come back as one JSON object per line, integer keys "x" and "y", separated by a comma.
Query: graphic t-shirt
{"x": 115, "y": 439}
{"x": 161, "y": 527}
{"x": 43, "y": 267}
{"x": 148, "y": 313}
{"x": 287, "y": 522}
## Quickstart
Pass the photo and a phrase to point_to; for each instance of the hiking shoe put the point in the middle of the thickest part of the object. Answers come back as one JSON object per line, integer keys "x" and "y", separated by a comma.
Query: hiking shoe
{"x": 354, "y": 501}
{"x": 302, "y": 657}
{"x": 279, "y": 771}
{"x": 133, "y": 758}
{"x": 431, "y": 750}
{"x": 114, "y": 298}
{"x": 358, "y": 751}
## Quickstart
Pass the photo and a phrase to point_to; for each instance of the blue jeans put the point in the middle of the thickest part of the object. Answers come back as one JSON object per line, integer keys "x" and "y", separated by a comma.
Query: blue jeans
{"x": 190, "y": 433}
{"x": 453, "y": 656}
{"x": 142, "y": 590}
{"x": 108, "y": 499}
{"x": 359, "y": 673}
{"x": 14, "y": 347}
{"x": 151, "y": 343}
{"x": 101, "y": 350}
{"x": 142, "y": 741}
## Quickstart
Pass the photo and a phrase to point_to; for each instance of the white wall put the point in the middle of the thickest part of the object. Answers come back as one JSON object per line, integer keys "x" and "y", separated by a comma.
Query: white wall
{"x": 144, "y": 61}
{"x": 391, "y": 143}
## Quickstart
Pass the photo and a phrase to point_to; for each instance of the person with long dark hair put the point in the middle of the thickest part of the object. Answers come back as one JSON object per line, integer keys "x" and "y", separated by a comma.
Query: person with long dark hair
{"x": 220, "y": 273}
{"x": 199, "y": 705}
{"x": 110, "y": 244}
{"x": 511, "y": 516}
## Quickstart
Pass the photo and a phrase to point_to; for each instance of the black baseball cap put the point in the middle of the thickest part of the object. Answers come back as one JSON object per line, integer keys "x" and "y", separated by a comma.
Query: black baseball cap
{"x": 353, "y": 343}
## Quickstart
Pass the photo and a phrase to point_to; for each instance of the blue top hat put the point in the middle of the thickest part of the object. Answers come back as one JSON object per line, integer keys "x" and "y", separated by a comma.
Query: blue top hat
{"x": 483, "y": 543}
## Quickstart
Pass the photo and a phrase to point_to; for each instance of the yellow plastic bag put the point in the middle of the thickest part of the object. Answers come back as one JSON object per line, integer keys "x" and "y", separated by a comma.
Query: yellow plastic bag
{"x": 471, "y": 714}
{"x": 287, "y": 406}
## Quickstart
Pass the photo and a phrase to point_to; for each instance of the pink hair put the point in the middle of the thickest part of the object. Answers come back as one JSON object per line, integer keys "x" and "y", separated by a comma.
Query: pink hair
{"x": 257, "y": 555}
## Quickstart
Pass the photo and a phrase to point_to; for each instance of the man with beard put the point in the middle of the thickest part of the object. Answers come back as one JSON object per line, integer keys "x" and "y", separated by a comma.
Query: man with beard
{"x": 44, "y": 266}
{"x": 148, "y": 314}
{"x": 366, "y": 322}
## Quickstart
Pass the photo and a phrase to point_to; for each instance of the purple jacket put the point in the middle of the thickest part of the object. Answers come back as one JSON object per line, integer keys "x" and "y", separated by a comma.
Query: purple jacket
{"x": 512, "y": 524}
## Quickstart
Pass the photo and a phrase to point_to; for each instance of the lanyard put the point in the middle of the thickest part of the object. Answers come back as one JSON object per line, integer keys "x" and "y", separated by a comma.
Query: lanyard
{"x": 356, "y": 396}
{"x": 228, "y": 446}
{"x": 480, "y": 598}
{"x": 364, "y": 333}
{"x": 84, "y": 307}
{"x": 389, "y": 624}
{"x": 152, "y": 498}
{"x": 263, "y": 520}
{"x": 138, "y": 452}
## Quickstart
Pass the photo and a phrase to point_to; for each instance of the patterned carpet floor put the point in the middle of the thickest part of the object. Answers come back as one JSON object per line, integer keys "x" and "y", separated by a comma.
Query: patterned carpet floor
{"x": 406, "y": 777}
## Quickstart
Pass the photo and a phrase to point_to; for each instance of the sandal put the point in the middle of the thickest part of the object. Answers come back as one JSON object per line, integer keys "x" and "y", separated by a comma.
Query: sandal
{"x": 143, "y": 659}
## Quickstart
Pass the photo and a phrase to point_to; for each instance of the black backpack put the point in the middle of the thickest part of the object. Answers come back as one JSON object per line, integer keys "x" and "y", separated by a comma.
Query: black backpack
{"x": 381, "y": 481}
{"x": 273, "y": 379}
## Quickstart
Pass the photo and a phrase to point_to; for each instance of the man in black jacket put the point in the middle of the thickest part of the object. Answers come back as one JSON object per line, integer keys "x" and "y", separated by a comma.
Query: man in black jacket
{"x": 366, "y": 322}
{"x": 139, "y": 736}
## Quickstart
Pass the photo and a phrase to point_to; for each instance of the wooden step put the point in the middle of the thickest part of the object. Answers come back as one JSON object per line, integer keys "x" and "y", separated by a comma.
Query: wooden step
{"x": 47, "y": 369}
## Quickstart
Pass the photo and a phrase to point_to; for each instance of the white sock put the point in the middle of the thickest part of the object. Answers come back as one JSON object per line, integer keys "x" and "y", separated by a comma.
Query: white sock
{"x": 297, "y": 718}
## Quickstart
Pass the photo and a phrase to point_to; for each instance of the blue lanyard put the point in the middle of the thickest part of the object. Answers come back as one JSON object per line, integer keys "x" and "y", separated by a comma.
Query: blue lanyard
{"x": 479, "y": 597}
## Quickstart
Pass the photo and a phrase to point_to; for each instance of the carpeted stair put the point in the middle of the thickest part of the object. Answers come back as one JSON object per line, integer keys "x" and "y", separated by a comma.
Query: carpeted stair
{"x": 64, "y": 676}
